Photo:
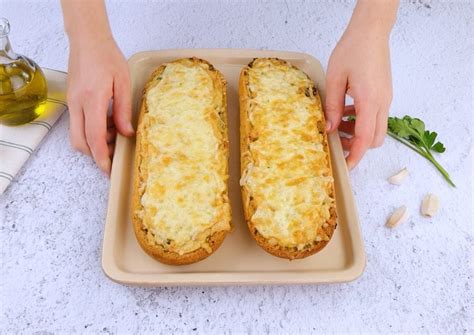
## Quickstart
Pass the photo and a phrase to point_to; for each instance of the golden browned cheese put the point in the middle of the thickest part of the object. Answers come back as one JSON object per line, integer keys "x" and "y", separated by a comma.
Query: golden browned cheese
{"x": 287, "y": 183}
{"x": 182, "y": 163}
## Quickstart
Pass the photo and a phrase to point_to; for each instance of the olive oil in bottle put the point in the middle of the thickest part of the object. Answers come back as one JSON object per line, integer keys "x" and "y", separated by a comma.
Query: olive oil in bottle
{"x": 23, "y": 87}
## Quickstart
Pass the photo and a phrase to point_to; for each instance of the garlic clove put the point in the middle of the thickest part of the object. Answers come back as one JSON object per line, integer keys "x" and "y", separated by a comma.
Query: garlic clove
{"x": 429, "y": 205}
{"x": 399, "y": 177}
{"x": 399, "y": 216}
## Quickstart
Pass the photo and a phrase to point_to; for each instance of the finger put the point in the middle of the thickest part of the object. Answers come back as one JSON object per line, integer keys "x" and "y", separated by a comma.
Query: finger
{"x": 336, "y": 85}
{"x": 358, "y": 147}
{"x": 380, "y": 129}
{"x": 363, "y": 132}
{"x": 76, "y": 128}
{"x": 347, "y": 127}
{"x": 122, "y": 110}
{"x": 111, "y": 135}
{"x": 96, "y": 131}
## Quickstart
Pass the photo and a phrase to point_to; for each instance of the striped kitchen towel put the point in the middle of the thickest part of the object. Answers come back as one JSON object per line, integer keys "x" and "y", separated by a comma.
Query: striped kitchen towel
{"x": 18, "y": 143}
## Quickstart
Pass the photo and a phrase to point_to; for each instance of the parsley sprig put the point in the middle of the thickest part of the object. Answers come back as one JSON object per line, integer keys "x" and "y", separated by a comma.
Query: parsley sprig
{"x": 411, "y": 132}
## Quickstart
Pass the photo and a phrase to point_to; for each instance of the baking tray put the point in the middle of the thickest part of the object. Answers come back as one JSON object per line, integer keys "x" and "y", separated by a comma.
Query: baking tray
{"x": 239, "y": 260}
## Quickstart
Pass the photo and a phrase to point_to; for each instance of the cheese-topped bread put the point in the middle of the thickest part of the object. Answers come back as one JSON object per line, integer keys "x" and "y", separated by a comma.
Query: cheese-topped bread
{"x": 286, "y": 176}
{"x": 181, "y": 210}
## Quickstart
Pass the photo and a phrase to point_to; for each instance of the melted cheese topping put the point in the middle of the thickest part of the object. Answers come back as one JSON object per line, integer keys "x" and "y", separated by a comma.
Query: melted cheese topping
{"x": 289, "y": 176}
{"x": 184, "y": 199}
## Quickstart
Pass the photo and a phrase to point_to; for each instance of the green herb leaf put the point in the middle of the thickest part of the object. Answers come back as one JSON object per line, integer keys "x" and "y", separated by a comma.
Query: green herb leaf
{"x": 430, "y": 138}
{"x": 411, "y": 132}
{"x": 398, "y": 127}
{"x": 418, "y": 126}
{"x": 439, "y": 147}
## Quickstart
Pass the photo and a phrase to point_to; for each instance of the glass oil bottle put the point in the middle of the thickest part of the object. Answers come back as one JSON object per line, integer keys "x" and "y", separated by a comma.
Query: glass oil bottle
{"x": 23, "y": 88}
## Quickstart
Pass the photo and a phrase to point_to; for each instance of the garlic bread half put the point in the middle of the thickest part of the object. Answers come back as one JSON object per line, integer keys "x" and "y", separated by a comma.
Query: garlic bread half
{"x": 286, "y": 177}
{"x": 180, "y": 207}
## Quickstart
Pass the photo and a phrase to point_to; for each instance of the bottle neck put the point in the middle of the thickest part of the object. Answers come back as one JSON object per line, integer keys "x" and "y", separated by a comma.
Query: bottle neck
{"x": 6, "y": 49}
{"x": 6, "y": 52}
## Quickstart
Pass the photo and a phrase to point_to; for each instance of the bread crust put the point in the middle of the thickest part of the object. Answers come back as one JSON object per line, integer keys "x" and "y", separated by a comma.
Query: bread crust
{"x": 249, "y": 205}
{"x": 157, "y": 251}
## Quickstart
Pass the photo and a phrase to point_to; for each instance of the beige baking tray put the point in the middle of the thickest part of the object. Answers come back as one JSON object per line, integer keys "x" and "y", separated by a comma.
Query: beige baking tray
{"x": 239, "y": 260}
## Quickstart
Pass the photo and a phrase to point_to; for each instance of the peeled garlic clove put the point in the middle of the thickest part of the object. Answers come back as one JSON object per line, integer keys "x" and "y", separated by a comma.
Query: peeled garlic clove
{"x": 399, "y": 177}
{"x": 429, "y": 205}
{"x": 399, "y": 216}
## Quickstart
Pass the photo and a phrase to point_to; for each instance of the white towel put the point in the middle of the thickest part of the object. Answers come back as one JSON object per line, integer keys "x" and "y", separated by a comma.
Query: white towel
{"x": 18, "y": 143}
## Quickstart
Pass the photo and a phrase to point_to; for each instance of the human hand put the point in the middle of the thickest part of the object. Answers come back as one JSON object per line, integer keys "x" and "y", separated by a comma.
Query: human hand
{"x": 360, "y": 67}
{"x": 98, "y": 72}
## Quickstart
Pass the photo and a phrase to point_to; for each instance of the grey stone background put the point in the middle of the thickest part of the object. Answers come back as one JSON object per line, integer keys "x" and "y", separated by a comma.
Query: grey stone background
{"x": 418, "y": 277}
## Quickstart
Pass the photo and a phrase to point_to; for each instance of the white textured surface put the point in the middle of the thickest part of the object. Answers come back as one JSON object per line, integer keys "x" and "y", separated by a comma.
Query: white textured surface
{"x": 418, "y": 277}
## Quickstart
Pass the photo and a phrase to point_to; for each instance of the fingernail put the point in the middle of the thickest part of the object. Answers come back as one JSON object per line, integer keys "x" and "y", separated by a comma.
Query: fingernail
{"x": 130, "y": 128}
{"x": 328, "y": 125}
{"x": 350, "y": 165}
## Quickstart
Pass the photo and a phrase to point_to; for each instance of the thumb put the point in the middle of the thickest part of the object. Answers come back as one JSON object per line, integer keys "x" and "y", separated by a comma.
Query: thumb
{"x": 336, "y": 86}
{"x": 122, "y": 110}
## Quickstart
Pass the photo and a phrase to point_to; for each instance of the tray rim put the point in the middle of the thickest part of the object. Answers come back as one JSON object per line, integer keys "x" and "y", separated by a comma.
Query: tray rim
{"x": 350, "y": 273}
